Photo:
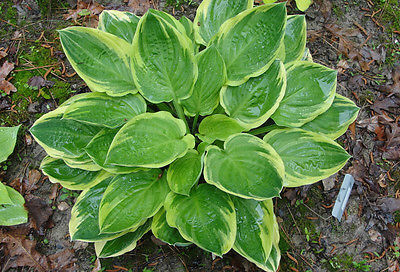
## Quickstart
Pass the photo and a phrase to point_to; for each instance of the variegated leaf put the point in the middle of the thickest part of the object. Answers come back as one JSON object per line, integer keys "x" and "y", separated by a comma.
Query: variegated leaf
{"x": 122, "y": 244}
{"x": 8, "y": 138}
{"x": 70, "y": 178}
{"x": 166, "y": 233}
{"x": 255, "y": 229}
{"x": 101, "y": 59}
{"x": 150, "y": 140}
{"x": 119, "y": 23}
{"x": 211, "y": 14}
{"x": 163, "y": 63}
{"x": 247, "y": 167}
{"x": 308, "y": 156}
{"x": 295, "y": 38}
{"x": 99, "y": 109}
{"x": 335, "y": 121}
{"x": 14, "y": 213}
{"x": 184, "y": 172}
{"x": 309, "y": 92}
{"x": 132, "y": 198}
{"x": 84, "y": 223}
{"x": 212, "y": 76}
{"x": 218, "y": 127}
{"x": 253, "y": 102}
{"x": 97, "y": 150}
{"x": 249, "y": 42}
{"x": 206, "y": 217}
{"x": 62, "y": 138}
{"x": 4, "y": 197}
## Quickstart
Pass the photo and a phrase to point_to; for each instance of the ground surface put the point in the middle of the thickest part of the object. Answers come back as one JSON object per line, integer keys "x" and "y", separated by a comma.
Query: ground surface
{"x": 358, "y": 38}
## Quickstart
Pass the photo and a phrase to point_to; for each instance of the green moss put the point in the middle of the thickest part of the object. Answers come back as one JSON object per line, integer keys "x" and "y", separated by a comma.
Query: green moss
{"x": 8, "y": 12}
{"x": 396, "y": 216}
{"x": 179, "y": 3}
{"x": 338, "y": 11}
{"x": 25, "y": 94}
{"x": 390, "y": 14}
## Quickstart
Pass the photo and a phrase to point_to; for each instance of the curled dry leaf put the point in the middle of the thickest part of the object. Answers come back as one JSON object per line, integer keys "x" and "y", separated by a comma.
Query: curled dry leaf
{"x": 2, "y": 54}
{"x": 39, "y": 82}
{"x": 6, "y": 86}
{"x": 91, "y": 10}
{"x": 5, "y": 69}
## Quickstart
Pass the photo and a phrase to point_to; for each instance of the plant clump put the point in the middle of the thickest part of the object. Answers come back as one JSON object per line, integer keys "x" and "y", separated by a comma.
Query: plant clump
{"x": 192, "y": 128}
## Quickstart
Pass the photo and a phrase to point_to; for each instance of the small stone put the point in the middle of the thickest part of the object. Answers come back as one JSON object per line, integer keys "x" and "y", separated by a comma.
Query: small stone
{"x": 375, "y": 236}
{"x": 329, "y": 182}
{"x": 79, "y": 245}
{"x": 28, "y": 139}
{"x": 34, "y": 107}
{"x": 62, "y": 206}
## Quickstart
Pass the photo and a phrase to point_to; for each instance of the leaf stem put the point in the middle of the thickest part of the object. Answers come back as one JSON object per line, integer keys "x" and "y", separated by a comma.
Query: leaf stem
{"x": 196, "y": 117}
{"x": 262, "y": 130}
{"x": 181, "y": 115}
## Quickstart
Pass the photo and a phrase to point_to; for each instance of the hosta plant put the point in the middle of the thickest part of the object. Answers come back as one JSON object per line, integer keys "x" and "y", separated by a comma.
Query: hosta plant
{"x": 192, "y": 128}
{"x": 12, "y": 210}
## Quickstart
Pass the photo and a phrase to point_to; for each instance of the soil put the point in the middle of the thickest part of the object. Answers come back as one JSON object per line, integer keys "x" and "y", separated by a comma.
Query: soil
{"x": 341, "y": 36}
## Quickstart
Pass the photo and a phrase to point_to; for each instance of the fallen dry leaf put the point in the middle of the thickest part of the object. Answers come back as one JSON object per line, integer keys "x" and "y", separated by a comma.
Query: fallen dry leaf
{"x": 342, "y": 66}
{"x": 388, "y": 204}
{"x": 387, "y": 104}
{"x": 375, "y": 236}
{"x": 3, "y": 54}
{"x": 39, "y": 212}
{"x": 358, "y": 170}
{"x": 6, "y": 86}
{"x": 33, "y": 178}
{"x": 395, "y": 87}
{"x": 380, "y": 133}
{"x": 393, "y": 134}
{"x": 22, "y": 252}
{"x": 89, "y": 10}
{"x": 53, "y": 192}
{"x": 18, "y": 251}
{"x": 139, "y": 6}
{"x": 392, "y": 153}
{"x": 6, "y": 68}
{"x": 63, "y": 261}
{"x": 39, "y": 82}
{"x": 326, "y": 8}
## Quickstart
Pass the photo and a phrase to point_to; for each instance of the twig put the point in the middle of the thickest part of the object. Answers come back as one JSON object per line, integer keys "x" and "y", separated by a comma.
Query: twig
{"x": 4, "y": 21}
{"x": 184, "y": 264}
{"x": 293, "y": 219}
{"x": 320, "y": 216}
{"x": 361, "y": 28}
{"x": 35, "y": 68}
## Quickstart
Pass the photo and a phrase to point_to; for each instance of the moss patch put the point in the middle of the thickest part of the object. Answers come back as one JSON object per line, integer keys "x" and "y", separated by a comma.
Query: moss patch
{"x": 8, "y": 12}
{"x": 25, "y": 95}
